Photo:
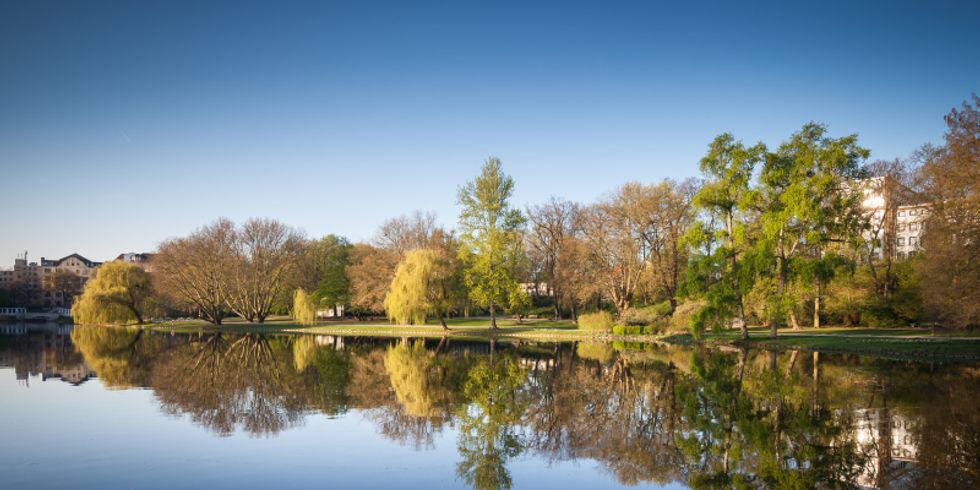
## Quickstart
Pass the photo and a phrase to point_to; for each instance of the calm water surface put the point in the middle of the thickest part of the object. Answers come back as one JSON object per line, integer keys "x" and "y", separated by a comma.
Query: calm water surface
{"x": 119, "y": 408}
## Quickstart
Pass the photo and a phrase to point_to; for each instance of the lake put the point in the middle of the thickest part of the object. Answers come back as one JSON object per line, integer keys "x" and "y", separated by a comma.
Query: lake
{"x": 126, "y": 408}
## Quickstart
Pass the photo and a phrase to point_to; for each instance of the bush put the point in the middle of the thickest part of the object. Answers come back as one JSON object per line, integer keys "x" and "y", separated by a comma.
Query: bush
{"x": 601, "y": 321}
{"x": 683, "y": 316}
{"x": 648, "y": 315}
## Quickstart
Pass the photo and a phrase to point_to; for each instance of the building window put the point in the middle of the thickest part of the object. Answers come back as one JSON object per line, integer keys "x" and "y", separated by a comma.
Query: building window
{"x": 901, "y": 227}
{"x": 901, "y": 255}
{"x": 913, "y": 212}
{"x": 901, "y": 213}
{"x": 912, "y": 240}
{"x": 901, "y": 241}
{"x": 913, "y": 226}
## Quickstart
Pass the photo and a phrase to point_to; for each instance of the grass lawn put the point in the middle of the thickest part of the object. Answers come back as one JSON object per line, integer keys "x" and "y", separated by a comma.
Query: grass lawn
{"x": 903, "y": 343}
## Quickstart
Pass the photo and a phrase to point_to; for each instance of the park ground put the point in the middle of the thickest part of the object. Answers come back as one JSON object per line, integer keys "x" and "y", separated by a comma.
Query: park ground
{"x": 895, "y": 342}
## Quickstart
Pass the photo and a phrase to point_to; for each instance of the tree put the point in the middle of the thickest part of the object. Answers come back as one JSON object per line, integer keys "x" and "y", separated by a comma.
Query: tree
{"x": 720, "y": 232}
{"x": 950, "y": 267}
{"x": 191, "y": 272}
{"x": 611, "y": 232}
{"x": 304, "y": 309}
{"x": 490, "y": 239}
{"x": 804, "y": 206}
{"x": 665, "y": 214}
{"x": 65, "y": 284}
{"x": 372, "y": 265}
{"x": 333, "y": 285}
{"x": 119, "y": 293}
{"x": 553, "y": 223}
{"x": 264, "y": 253}
{"x": 426, "y": 283}
{"x": 370, "y": 270}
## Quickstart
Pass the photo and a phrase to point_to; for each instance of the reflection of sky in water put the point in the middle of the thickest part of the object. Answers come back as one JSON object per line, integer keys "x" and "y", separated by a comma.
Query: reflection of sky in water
{"x": 56, "y": 434}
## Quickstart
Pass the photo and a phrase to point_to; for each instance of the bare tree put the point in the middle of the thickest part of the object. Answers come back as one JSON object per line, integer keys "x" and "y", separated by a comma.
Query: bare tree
{"x": 265, "y": 252}
{"x": 552, "y": 225}
{"x": 617, "y": 254}
{"x": 191, "y": 272}
{"x": 664, "y": 214}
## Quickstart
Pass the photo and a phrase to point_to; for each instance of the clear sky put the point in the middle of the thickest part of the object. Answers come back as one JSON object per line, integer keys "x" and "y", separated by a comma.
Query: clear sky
{"x": 124, "y": 123}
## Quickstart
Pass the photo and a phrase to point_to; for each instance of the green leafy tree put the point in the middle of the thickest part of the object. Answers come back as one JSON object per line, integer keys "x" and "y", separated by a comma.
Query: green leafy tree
{"x": 804, "y": 209}
{"x": 119, "y": 293}
{"x": 426, "y": 283}
{"x": 490, "y": 239}
{"x": 333, "y": 284}
{"x": 717, "y": 273}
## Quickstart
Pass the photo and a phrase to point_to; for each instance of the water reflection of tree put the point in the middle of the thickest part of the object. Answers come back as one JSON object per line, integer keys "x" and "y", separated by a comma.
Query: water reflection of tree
{"x": 488, "y": 426}
{"x": 121, "y": 357}
{"x": 225, "y": 382}
{"x": 700, "y": 417}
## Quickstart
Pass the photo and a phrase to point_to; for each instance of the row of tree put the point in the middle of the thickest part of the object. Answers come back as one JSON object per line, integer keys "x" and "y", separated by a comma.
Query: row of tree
{"x": 778, "y": 236}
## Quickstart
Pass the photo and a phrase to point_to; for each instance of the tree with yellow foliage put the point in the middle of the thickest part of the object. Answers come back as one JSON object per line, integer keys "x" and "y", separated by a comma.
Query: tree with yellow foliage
{"x": 426, "y": 283}
{"x": 120, "y": 293}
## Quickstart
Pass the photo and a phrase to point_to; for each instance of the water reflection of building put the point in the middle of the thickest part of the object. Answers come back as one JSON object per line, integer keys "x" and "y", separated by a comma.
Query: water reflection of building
{"x": 44, "y": 351}
{"x": 886, "y": 439}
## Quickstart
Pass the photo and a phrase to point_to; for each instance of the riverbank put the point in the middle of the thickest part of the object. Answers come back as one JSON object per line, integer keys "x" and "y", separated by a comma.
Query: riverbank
{"x": 894, "y": 343}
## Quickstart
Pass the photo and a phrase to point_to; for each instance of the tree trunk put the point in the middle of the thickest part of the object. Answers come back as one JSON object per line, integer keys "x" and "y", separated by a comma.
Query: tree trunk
{"x": 493, "y": 317}
{"x": 442, "y": 321}
{"x": 740, "y": 320}
{"x": 816, "y": 308}
{"x": 792, "y": 321}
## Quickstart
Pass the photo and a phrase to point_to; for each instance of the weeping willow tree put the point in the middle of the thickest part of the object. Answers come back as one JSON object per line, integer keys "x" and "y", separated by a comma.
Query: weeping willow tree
{"x": 304, "y": 309}
{"x": 119, "y": 294}
{"x": 426, "y": 283}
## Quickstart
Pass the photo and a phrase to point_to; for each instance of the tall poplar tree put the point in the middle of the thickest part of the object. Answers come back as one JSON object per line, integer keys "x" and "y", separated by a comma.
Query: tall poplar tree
{"x": 490, "y": 238}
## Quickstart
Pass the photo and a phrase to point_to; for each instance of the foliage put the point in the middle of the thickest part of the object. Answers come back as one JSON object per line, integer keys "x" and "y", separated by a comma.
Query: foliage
{"x": 333, "y": 283}
{"x": 426, "y": 283}
{"x": 649, "y": 315}
{"x": 950, "y": 267}
{"x": 304, "y": 309}
{"x": 719, "y": 238}
{"x": 490, "y": 238}
{"x": 120, "y": 293}
{"x": 600, "y": 321}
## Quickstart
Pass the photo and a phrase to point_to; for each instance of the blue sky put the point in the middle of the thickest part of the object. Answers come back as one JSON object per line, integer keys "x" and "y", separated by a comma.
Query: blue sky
{"x": 124, "y": 123}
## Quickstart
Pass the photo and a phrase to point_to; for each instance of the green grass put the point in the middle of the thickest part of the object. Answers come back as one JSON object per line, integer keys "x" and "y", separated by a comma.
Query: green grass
{"x": 903, "y": 343}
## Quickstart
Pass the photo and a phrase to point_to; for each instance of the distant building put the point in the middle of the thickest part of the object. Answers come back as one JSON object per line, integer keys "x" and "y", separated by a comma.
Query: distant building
{"x": 896, "y": 218}
{"x": 48, "y": 283}
{"x": 140, "y": 259}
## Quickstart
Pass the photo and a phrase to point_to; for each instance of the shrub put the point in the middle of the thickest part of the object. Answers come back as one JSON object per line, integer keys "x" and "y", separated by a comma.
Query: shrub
{"x": 647, "y": 315}
{"x": 683, "y": 316}
{"x": 601, "y": 321}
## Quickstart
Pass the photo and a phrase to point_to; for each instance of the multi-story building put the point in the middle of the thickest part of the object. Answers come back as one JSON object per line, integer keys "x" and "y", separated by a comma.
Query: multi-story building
{"x": 48, "y": 283}
{"x": 895, "y": 219}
